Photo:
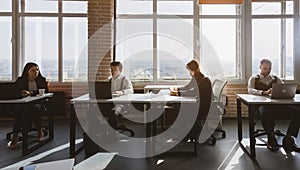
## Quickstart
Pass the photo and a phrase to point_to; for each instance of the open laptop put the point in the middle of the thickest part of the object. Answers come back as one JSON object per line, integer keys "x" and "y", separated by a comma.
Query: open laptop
{"x": 283, "y": 91}
{"x": 9, "y": 91}
{"x": 100, "y": 90}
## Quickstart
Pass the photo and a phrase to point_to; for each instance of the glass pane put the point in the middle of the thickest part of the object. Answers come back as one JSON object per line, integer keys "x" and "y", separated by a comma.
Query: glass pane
{"x": 266, "y": 43}
{"x": 290, "y": 49}
{"x": 5, "y": 5}
{"x": 134, "y": 47}
{"x": 218, "y": 47}
{"x": 134, "y": 7}
{"x": 175, "y": 48}
{"x": 290, "y": 7}
{"x": 75, "y": 49}
{"x": 175, "y": 7}
{"x": 218, "y": 9}
{"x": 75, "y": 6}
{"x": 41, "y": 44}
{"x": 6, "y": 48}
{"x": 266, "y": 8}
{"x": 41, "y": 6}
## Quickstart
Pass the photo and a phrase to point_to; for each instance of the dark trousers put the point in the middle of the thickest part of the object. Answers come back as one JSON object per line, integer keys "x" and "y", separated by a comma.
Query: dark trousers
{"x": 34, "y": 115}
{"x": 105, "y": 110}
{"x": 280, "y": 112}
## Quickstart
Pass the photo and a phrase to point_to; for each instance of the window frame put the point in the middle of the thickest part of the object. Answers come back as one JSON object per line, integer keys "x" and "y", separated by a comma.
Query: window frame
{"x": 282, "y": 17}
{"x": 196, "y": 46}
{"x": 18, "y": 14}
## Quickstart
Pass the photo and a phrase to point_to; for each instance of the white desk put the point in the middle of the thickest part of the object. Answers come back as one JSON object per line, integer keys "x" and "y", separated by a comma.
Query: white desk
{"x": 144, "y": 99}
{"x": 159, "y": 87}
{"x": 27, "y": 101}
{"x": 252, "y": 102}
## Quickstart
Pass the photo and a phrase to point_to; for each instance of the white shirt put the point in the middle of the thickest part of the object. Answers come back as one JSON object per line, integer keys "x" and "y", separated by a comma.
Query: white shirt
{"x": 121, "y": 83}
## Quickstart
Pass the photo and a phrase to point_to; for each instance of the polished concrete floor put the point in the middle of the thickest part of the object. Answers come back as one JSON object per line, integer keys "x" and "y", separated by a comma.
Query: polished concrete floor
{"x": 226, "y": 154}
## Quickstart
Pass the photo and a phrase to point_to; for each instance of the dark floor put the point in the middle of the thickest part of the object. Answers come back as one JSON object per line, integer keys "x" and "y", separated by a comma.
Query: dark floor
{"x": 226, "y": 154}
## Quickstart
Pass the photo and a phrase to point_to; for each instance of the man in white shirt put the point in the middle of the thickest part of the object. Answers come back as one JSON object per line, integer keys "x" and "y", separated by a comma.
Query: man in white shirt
{"x": 261, "y": 84}
{"x": 120, "y": 85}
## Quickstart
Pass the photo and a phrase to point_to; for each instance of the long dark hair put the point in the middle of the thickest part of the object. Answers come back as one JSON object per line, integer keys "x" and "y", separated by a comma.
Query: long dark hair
{"x": 194, "y": 66}
{"x": 27, "y": 67}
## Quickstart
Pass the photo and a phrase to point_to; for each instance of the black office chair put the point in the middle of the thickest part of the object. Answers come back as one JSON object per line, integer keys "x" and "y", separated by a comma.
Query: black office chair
{"x": 261, "y": 132}
{"x": 106, "y": 109}
{"x": 122, "y": 127}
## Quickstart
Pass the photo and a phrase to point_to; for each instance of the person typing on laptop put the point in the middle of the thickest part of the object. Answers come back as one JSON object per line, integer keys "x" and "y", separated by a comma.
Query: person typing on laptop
{"x": 261, "y": 84}
{"x": 120, "y": 85}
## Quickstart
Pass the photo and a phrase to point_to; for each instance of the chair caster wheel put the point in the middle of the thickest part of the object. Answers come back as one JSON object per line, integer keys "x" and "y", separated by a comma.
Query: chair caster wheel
{"x": 224, "y": 135}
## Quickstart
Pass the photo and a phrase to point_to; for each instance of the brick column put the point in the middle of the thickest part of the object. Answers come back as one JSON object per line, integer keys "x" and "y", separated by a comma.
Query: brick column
{"x": 100, "y": 33}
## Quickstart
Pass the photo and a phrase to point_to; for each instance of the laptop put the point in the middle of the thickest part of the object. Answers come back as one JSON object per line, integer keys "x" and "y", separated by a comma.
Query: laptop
{"x": 100, "y": 90}
{"x": 9, "y": 91}
{"x": 283, "y": 91}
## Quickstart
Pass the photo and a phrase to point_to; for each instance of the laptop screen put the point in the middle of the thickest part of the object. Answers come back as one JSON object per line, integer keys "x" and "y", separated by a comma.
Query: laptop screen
{"x": 283, "y": 91}
{"x": 100, "y": 90}
{"x": 9, "y": 91}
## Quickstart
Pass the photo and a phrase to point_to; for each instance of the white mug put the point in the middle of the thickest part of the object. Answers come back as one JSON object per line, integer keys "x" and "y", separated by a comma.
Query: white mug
{"x": 41, "y": 92}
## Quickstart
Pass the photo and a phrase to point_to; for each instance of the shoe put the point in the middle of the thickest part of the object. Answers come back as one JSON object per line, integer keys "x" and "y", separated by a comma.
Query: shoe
{"x": 289, "y": 144}
{"x": 272, "y": 144}
{"x": 40, "y": 135}
{"x": 14, "y": 141}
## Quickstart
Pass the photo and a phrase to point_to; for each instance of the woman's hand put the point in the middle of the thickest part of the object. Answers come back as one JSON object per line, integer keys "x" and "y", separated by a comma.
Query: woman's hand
{"x": 173, "y": 91}
{"x": 26, "y": 92}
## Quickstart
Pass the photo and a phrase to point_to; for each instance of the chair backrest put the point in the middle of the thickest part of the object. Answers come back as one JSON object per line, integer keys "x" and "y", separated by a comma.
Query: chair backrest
{"x": 217, "y": 88}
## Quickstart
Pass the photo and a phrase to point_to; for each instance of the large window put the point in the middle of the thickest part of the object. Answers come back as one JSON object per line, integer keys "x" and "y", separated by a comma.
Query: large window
{"x": 149, "y": 49}
{"x": 6, "y": 40}
{"x": 156, "y": 43}
{"x": 273, "y": 36}
{"x": 51, "y": 33}
{"x": 220, "y": 40}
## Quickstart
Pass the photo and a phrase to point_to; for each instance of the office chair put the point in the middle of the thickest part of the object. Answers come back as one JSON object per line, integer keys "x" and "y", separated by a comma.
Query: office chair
{"x": 217, "y": 87}
{"x": 106, "y": 109}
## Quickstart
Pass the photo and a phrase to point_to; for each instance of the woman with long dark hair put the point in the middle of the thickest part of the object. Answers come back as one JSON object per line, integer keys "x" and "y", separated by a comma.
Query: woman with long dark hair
{"x": 29, "y": 84}
{"x": 199, "y": 87}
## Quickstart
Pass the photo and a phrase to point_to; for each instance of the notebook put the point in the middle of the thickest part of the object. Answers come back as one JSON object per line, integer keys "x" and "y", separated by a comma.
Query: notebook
{"x": 100, "y": 90}
{"x": 9, "y": 91}
{"x": 283, "y": 91}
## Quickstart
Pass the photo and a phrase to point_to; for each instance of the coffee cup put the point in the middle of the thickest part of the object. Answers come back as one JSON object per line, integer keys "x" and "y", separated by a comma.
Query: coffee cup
{"x": 41, "y": 92}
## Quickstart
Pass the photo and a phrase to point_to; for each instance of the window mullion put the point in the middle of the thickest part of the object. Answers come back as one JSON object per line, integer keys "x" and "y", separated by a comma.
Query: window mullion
{"x": 196, "y": 27}
{"x": 282, "y": 62}
{"x": 60, "y": 43}
{"x": 155, "y": 44}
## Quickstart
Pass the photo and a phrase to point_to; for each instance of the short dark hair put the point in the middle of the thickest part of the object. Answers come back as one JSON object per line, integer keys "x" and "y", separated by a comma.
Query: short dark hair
{"x": 117, "y": 63}
{"x": 265, "y": 61}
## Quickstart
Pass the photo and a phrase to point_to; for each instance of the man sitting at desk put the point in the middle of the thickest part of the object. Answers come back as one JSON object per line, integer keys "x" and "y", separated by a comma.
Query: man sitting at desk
{"x": 120, "y": 85}
{"x": 261, "y": 84}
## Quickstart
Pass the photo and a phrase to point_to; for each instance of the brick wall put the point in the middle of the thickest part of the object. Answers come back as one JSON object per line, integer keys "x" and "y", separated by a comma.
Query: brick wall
{"x": 100, "y": 33}
{"x": 230, "y": 91}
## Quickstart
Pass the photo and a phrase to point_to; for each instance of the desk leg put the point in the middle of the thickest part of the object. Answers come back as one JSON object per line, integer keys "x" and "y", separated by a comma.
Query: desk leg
{"x": 25, "y": 130}
{"x": 51, "y": 126}
{"x": 72, "y": 131}
{"x": 251, "y": 113}
{"x": 239, "y": 119}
